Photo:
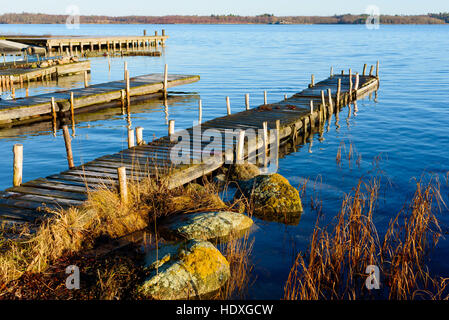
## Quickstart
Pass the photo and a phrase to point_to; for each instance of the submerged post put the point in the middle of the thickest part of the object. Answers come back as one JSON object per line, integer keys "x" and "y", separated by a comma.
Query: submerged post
{"x": 247, "y": 101}
{"x": 17, "y": 165}
{"x": 68, "y": 146}
{"x": 139, "y": 136}
{"x": 228, "y": 106}
{"x": 123, "y": 187}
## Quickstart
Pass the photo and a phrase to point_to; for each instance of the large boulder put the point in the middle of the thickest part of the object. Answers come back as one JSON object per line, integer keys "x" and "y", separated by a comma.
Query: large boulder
{"x": 187, "y": 270}
{"x": 272, "y": 198}
{"x": 205, "y": 225}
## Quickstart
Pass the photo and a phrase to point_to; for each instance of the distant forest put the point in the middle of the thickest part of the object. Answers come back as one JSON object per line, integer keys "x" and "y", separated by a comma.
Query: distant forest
{"x": 38, "y": 18}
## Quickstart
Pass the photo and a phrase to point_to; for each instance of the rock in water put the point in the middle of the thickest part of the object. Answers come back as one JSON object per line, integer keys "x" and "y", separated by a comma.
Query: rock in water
{"x": 205, "y": 225}
{"x": 187, "y": 270}
{"x": 244, "y": 171}
{"x": 273, "y": 198}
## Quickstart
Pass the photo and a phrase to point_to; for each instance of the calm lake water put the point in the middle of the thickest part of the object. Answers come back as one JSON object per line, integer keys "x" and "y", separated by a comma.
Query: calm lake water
{"x": 408, "y": 125}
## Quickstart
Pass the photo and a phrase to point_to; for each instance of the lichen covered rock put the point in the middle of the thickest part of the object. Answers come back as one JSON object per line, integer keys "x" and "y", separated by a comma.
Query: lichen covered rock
{"x": 205, "y": 225}
{"x": 273, "y": 198}
{"x": 187, "y": 270}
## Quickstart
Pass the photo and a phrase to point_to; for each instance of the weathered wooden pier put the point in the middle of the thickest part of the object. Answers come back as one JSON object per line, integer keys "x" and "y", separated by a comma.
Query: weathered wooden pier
{"x": 61, "y": 44}
{"x": 56, "y": 104}
{"x": 300, "y": 114}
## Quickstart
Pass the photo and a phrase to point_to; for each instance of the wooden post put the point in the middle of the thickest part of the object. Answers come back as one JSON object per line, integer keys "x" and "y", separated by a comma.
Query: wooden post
{"x": 265, "y": 137}
{"x": 240, "y": 145}
{"x": 53, "y": 109}
{"x": 86, "y": 83}
{"x": 72, "y": 111}
{"x": 377, "y": 69}
{"x": 323, "y": 100}
{"x": 123, "y": 187}
{"x": 330, "y": 99}
{"x": 285, "y": 96}
{"x": 357, "y": 81}
{"x": 200, "y": 111}
{"x": 312, "y": 80}
{"x": 371, "y": 70}
{"x": 165, "y": 80}
{"x": 125, "y": 68}
{"x": 311, "y": 106}
{"x": 265, "y": 100}
{"x": 26, "y": 92}
{"x": 13, "y": 92}
{"x": 364, "y": 69}
{"x": 128, "y": 94}
{"x": 350, "y": 83}
{"x": 17, "y": 165}
{"x": 171, "y": 129}
{"x": 109, "y": 62}
{"x": 130, "y": 138}
{"x": 228, "y": 106}
{"x": 278, "y": 140}
{"x": 139, "y": 136}
{"x": 68, "y": 146}
{"x": 247, "y": 101}
{"x": 332, "y": 72}
{"x": 338, "y": 93}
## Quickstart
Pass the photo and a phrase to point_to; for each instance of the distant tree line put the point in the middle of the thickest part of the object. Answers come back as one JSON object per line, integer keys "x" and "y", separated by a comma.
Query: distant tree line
{"x": 39, "y": 18}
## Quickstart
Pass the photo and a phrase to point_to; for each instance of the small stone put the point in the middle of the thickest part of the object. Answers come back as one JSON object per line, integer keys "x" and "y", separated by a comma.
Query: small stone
{"x": 205, "y": 225}
{"x": 187, "y": 270}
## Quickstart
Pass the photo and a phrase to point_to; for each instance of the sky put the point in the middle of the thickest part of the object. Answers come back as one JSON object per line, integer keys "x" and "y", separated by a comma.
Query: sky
{"x": 240, "y": 7}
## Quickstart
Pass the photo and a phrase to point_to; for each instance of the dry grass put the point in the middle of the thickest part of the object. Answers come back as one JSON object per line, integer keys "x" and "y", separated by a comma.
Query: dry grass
{"x": 101, "y": 216}
{"x": 237, "y": 251}
{"x": 334, "y": 267}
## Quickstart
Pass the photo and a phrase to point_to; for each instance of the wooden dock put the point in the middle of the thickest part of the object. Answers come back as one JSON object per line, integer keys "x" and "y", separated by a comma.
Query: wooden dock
{"x": 39, "y": 107}
{"x": 61, "y": 44}
{"x": 293, "y": 116}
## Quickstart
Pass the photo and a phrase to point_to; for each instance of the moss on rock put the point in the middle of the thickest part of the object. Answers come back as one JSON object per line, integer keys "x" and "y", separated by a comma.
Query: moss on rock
{"x": 273, "y": 198}
{"x": 187, "y": 270}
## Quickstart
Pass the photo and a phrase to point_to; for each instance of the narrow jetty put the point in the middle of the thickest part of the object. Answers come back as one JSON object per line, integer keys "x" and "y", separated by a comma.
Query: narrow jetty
{"x": 40, "y": 107}
{"x": 62, "y": 44}
{"x": 300, "y": 114}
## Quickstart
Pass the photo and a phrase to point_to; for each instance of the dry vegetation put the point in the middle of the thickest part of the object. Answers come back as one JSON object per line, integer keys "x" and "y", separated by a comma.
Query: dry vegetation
{"x": 72, "y": 231}
{"x": 335, "y": 264}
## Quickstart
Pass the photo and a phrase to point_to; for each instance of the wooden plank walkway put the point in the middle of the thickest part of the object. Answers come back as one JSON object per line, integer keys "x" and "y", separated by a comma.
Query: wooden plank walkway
{"x": 37, "y": 106}
{"x": 69, "y": 188}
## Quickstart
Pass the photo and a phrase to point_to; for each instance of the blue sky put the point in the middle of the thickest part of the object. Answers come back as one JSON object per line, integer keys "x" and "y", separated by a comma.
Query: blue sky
{"x": 241, "y": 7}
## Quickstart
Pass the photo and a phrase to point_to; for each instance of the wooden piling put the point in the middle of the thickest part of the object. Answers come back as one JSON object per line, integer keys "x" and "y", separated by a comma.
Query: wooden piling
{"x": 265, "y": 137}
{"x": 331, "y": 107}
{"x": 265, "y": 99}
{"x": 311, "y": 106}
{"x": 285, "y": 97}
{"x": 128, "y": 94}
{"x": 247, "y": 101}
{"x": 72, "y": 111}
{"x": 364, "y": 69}
{"x": 86, "y": 83}
{"x": 200, "y": 111}
{"x": 357, "y": 81}
{"x": 17, "y": 165}
{"x": 139, "y": 136}
{"x": 312, "y": 80}
{"x": 125, "y": 68}
{"x": 338, "y": 94}
{"x": 240, "y": 145}
{"x": 377, "y": 69}
{"x": 13, "y": 93}
{"x": 171, "y": 129}
{"x": 27, "y": 92}
{"x": 332, "y": 72}
{"x": 130, "y": 138}
{"x": 123, "y": 187}
{"x": 53, "y": 109}
{"x": 323, "y": 100}
{"x": 68, "y": 146}
{"x": 165, "y": 80}
{"x": 228, "y": 106}
{"x": 371, "y": 70}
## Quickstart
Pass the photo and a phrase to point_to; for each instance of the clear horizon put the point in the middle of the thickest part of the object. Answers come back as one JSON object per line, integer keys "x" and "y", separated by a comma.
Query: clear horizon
{"x": 246, "y": 8}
